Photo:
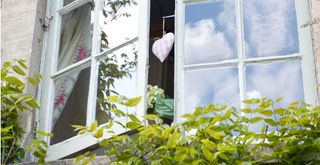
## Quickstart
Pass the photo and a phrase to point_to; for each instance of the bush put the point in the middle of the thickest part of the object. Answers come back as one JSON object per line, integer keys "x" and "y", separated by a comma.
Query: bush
{"x": 14, "y": 100}
{"x": 218, "y": 134}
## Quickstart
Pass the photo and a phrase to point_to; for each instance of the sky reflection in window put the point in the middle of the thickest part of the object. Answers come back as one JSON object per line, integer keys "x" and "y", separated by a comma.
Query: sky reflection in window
{"x": 210, "y": 32}
{"x": 270, "y": 27}
{"x": 282, "y": 79}
{"x": 204, "y": 87}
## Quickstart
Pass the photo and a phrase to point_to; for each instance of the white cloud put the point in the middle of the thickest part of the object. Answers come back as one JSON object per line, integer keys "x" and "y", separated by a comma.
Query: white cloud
{"x": 204, "y": 44}
{"x": 268, "y": 24}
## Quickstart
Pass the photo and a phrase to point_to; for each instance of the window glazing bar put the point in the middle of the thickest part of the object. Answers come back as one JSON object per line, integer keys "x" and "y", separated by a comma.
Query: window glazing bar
{"x": 73, "y": 5}
{"x": 273, "y": 59}
{"x": 76, "y": 66}
{"x": 224, "y": 63}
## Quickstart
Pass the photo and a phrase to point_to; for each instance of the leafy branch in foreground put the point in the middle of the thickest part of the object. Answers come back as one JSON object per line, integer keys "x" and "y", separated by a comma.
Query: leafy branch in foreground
{"x": 14, "y": 100}
{"x": 218, "y": 134}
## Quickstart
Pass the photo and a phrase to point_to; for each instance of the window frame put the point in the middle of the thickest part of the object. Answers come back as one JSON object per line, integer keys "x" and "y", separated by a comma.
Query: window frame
{"x": 305, "y": 55}
{"x": 50, "y": 52}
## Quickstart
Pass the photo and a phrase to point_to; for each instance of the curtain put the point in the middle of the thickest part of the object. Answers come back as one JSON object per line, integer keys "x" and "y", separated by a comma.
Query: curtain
{"x": 75, "y": 45}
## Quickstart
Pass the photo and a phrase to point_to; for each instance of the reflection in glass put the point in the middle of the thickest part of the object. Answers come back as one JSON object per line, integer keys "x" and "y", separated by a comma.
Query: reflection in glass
{"x": 120, "y": 27}
{"x": 205, "y": 87}
{"x": 282, "y": 79}
{"x": 270, "y": 27}
{"x": 70, "y": 104}
{"x": 117, "y": 76}
{"x": 66, "y": 2}
{"x": 75, "y": 41}
{"x": 210, "y": 32}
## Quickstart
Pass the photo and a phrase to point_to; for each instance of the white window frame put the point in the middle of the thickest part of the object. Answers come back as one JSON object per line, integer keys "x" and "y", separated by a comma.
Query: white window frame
{"x": 305, "y": 54}
{"x": 55, "y": 10}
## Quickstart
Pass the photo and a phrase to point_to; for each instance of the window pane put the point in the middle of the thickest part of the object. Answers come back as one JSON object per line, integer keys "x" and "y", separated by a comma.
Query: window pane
{"x": 117, "y": 76}
{"x": 121, "y": 26}
{"x": 274, "y": 80}
{"x": 70, "y": 104}
{"x": 75, "y": 39}
{"x": 210, "y": 32}
{"x": 270, "y": 27}
{"x": 203, "y": 87}
{"x": 66, "y": 2}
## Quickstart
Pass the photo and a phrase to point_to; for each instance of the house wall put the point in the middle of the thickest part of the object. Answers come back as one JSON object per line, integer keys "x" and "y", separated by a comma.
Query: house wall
{"x": 21, "y": 38}
{"x": 315, "y": 14}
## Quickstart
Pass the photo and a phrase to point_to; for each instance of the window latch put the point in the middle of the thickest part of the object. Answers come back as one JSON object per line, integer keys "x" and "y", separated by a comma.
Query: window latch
{"x": 46, "y": 22}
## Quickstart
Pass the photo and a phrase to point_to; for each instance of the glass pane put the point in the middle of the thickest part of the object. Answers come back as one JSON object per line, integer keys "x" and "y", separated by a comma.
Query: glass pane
{"x": 204, "y": 87}
{"x": 270, "y": 27}
{"x": 75, "y": 41}
{"x": 119, "y": 25}
{"x": 117, "y": 76}
{"x": 210, "y": 32}
{"x": 274, "y": 80}
{"x": 66, "y": 2}
{"x": 70, "y": 104}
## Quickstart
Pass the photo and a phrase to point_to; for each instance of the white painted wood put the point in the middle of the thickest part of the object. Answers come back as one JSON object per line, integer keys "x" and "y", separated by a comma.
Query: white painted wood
{"x": 71, "y": 68}
{"x": 211, "y": 65}
{"x": 80, "y": 142}
{"x": 96, "y": 41}
{"x": 102, "y": 55}
{"x": 179, "y": 109}
{"x": 241, "y": 51}
{"x": 71, "y": 6}
{"x": 143, "y": 55}
{"x": 308, "y": 63}
{"x": 273, "y": 59}
{"x": 50, "y": 57}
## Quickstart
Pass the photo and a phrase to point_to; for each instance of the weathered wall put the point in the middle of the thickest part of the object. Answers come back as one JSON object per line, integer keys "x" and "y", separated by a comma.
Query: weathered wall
{"x": 315, "y": 21}
{"x": 21, "y": 38}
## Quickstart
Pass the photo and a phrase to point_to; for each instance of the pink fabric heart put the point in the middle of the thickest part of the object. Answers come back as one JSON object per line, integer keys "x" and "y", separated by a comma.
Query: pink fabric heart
{"x": 162, "y": 47}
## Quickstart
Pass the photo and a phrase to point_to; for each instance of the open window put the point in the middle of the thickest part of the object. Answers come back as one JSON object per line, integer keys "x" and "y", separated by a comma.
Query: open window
{"x": 80, "y": 70}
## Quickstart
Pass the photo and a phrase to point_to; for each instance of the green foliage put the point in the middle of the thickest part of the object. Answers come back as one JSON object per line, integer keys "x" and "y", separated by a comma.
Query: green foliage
{"x": 158, "y": 103}
{"x": 154, "y": 92}
{"x": 39, "y": 147}
{"x": 14, "y": 100}
{"x": 218, "y": 134}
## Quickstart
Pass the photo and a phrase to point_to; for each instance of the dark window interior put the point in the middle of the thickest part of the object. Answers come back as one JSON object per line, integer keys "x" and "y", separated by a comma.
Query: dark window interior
{"x": 161, "y": 74}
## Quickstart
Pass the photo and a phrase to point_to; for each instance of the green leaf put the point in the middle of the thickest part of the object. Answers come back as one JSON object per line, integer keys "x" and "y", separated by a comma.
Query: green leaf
{"x": 18, "y": 70}
{"x": 134, "y": 118}
{"x": 7, "y": 64}
{"x": 209, "y": 144}
{"x": 6, "y": 129}
{"x": 22, "y": 63}
{"x": 44, "y": 133}
{"x": 246, "y": 110}
{"x": 118, "y": 112}
{"x": 215, "y": 134}
{"x": 208, "y": 155}
{"x": 150, "y": 117}
{"x": 93, "y": 126}
{"x": 133, "y": 125}
{"x": 267, "y": 112}
{"x": 270, "y": 122}
{"x": 98, "y": 133}
{"x": 15, "y": 81}
{"x": 256, "y": 120}
{"x": 223, "y": 156}
{"x": 188, "y": 116}
{"x": 133, "y": 101}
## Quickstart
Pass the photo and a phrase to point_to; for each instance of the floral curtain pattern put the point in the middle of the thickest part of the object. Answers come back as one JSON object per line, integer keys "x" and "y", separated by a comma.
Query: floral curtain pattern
{"x": 75, "y": 45}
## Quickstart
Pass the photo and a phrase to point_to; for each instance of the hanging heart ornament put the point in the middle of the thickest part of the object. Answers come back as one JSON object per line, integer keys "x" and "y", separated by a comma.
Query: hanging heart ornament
{"x": 162, "y": 47}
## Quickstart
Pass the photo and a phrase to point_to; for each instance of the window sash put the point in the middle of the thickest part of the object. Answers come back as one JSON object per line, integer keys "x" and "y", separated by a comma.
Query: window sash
{"x": 305, "y": 55}
{"x": 50, "y": 54}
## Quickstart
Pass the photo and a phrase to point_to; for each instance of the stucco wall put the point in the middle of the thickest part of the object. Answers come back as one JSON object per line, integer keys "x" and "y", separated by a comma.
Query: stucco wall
{"x": 21, "y": 38}
{"x": 315, "y": 21}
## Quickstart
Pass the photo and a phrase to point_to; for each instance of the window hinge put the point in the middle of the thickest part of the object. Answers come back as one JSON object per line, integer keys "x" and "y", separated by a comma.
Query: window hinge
{"x": 46, "y": 22}
{"x": 35, "y": 128}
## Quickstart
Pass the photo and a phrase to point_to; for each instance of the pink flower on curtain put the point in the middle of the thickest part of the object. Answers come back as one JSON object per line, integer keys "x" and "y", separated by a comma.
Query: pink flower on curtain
{"x": 82, "y": 53}
{"x": 60, "y": 98}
